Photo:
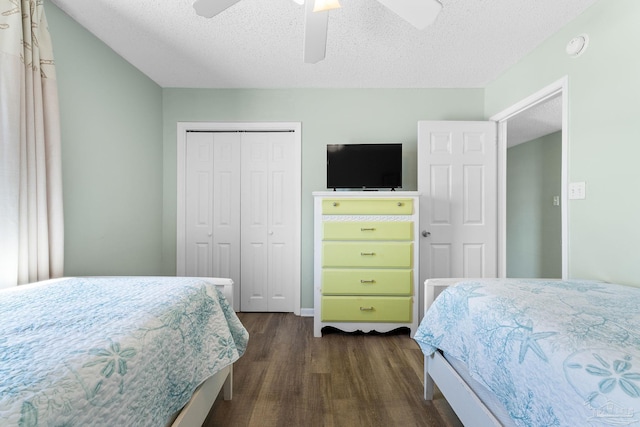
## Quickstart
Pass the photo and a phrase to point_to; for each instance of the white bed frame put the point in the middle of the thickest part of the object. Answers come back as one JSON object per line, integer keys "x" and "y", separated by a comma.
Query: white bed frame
{"x": 438, "y": 371}
{"x": 462, "y": 399}
{"x": 196, "y": 410}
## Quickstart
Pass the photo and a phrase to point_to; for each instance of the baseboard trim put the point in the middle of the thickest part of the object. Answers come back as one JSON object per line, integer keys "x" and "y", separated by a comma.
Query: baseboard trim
{"x": 307, "y": 312}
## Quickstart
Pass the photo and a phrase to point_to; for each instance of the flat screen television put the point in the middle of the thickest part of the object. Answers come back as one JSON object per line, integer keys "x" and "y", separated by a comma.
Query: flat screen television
{"x": 364, "y": 166}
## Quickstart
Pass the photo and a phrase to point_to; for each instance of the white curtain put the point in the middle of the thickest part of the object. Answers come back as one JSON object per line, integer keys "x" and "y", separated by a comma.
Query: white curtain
{"x": 31, "y": 222}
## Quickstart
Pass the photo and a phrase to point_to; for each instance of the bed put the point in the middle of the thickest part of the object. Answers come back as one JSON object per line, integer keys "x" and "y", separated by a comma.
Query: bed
{"x": 110, "y": 351}
{"x": 524, "y": 352}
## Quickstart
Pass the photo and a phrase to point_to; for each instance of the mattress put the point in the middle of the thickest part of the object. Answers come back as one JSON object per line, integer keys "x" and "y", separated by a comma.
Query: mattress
{"x": 111, "y": 351}
{"x": 551, "y": 352}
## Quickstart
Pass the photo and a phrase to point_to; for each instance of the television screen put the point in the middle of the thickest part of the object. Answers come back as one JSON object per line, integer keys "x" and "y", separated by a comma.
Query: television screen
{"x": 364, "y": 166}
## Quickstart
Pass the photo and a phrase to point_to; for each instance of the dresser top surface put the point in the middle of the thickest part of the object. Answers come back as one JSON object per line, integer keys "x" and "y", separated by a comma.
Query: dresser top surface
{"x": 367, "y": 194}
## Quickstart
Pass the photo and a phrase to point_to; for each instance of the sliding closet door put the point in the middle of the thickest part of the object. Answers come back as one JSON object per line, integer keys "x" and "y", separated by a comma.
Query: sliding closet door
{"x": 268, "y": 222}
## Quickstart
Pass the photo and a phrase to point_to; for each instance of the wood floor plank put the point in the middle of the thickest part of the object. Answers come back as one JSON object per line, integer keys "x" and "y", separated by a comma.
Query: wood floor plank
{"x": 289, "y": 378}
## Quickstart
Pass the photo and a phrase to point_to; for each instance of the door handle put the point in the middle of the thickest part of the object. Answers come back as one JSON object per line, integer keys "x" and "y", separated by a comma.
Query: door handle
{"x": 426, "y": 233}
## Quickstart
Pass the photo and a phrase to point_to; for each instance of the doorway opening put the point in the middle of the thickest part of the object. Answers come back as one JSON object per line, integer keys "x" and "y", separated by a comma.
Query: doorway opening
{"x": 535, "y": 119}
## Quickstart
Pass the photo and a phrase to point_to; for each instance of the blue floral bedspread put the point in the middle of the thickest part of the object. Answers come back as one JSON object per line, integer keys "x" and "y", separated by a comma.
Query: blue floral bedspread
{"x": 111, "y": 351}
{"x": 555, "y": 353}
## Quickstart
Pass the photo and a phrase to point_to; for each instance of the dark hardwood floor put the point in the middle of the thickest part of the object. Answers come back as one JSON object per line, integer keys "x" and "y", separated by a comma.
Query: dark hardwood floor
{"x": 289, "y": 378}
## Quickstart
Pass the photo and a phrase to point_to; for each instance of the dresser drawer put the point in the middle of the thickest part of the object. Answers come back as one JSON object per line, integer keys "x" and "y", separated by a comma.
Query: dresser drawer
{"x": 366, "y": 309}
{"x": 367, "y": 254}
{"x": 373, "y": 206}
{"x": 374, "y": 230}
{"x": 371, "y": 281}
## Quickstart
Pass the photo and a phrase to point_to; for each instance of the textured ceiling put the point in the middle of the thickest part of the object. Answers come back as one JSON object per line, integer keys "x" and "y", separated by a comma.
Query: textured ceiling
{"x": 535, "y": 122}
{"x": 258, "y": 43}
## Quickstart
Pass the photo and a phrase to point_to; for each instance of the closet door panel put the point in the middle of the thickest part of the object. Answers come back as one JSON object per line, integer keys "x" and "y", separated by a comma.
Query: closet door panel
{"x": 281, "y": 232}
{"x": 199, "y": 204}
{"x": 212, "y": 205}
{"x": 254, "y": 217}
{"x": 226, "y": 207}
{"x": 268, "y": 221}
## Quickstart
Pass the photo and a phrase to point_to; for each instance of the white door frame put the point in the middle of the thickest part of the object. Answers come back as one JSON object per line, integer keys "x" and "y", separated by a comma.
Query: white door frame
{"x": 182, "y": 129}
{"x": 559, "y": 87}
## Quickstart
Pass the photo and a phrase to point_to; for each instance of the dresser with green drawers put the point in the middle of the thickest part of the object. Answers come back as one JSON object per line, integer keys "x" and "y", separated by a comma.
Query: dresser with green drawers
{"x": 365, "y": 260}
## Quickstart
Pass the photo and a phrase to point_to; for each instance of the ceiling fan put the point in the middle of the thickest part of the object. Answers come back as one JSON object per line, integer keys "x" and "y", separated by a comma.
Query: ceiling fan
{"x": 419, "y": 13}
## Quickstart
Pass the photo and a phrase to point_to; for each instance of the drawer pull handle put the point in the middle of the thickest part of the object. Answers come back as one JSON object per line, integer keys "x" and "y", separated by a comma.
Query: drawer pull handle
{"x": 366, "y": 308}
{"x": 367, "y": 281}
{"x": 334, "y": 204}
{"x": 367, "y": 229}
{"x": 400, "y": 203}
{"x": 367, "y": 253}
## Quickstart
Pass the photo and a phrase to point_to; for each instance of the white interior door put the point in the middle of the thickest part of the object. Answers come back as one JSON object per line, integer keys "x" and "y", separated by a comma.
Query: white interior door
{"x": 457, "y": 170}
{"x": 269, "y": 196}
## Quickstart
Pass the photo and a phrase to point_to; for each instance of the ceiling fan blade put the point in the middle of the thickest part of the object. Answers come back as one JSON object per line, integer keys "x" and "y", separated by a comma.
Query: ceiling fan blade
{"x": 210, "y": 8}
{"x": 419, "y": 13}
{"x": 315, "y": 34}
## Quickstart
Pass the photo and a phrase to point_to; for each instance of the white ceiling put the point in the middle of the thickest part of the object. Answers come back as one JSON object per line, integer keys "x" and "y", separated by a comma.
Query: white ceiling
{"x": 258, "y": 43}
{"x": 535, "y": 122}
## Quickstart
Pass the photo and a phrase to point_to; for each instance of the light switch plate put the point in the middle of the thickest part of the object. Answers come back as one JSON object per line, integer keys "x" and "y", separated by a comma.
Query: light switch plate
{"x": 577, "y": 190}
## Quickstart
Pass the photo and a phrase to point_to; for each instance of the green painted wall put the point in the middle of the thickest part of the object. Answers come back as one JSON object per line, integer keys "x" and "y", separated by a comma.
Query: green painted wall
{"x": 328, "y": 116}
{"x": 111, "y": 124}
{"x": 534, "y": 238}
{"x": 603, "y": 131}
{"x": 119, "y": 147}
{"x": 119, "y": 142}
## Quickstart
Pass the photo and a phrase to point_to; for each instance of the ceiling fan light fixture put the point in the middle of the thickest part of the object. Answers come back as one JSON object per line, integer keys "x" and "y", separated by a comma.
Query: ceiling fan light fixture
{"x": 324, "y": 5}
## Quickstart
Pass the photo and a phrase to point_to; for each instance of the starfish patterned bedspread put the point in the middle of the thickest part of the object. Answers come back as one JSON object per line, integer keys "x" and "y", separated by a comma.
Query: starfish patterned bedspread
{"x": 555, "y": 353}
{"x": 111, "y": 351}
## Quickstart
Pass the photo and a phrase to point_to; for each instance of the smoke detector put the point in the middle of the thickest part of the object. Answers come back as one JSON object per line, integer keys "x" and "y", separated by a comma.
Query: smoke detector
{"x": 577, "y": 45}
